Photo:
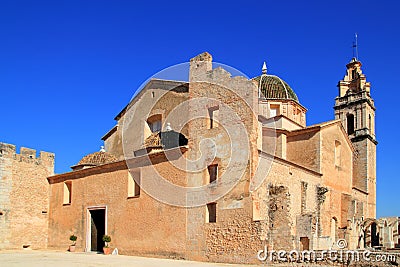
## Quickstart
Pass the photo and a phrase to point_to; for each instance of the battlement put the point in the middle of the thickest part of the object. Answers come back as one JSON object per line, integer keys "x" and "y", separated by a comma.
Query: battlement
{"x": 26, "y": 154}
{"x": 201, "y": 70}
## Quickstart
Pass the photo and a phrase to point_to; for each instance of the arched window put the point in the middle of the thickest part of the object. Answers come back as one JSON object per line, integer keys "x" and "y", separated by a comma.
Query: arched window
{"x": 350, "y": 124}
{"x": 354, "y": 74}
{"x": 154, "y": 123}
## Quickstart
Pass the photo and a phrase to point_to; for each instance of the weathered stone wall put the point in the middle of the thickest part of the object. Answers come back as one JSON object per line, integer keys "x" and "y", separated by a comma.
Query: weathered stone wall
{"x": 295, "y": 205}
{"x": 235, "y": 237}
{"x": 279, "y": 217}
{"x": 236, "y": 100}
{"x": 24, "y": 196}
{"x": 7, "y": 153}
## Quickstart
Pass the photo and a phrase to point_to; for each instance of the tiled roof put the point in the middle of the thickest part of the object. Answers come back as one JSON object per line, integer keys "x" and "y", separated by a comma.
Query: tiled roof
{"x": 97, "y": 158}
{"x": 273, "y": 87}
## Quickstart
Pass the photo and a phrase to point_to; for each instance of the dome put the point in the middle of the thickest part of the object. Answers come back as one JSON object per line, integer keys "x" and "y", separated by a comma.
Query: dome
{"x": 273, "y": 87}
{"x": 95, "y": 159}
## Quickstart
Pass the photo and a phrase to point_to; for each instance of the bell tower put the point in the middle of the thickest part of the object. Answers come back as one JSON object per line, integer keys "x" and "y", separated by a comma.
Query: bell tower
{"x": 355, "y": 108}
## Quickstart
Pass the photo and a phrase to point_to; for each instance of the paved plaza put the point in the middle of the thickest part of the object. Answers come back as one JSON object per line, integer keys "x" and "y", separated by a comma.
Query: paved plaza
{"x": 41, "y": 258}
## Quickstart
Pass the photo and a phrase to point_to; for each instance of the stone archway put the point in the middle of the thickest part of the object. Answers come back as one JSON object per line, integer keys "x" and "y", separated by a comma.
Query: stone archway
{"x": 371, "y": 233}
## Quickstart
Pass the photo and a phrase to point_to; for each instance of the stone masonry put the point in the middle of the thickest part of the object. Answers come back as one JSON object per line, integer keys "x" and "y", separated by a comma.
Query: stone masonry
{"x": 24, "y": 197}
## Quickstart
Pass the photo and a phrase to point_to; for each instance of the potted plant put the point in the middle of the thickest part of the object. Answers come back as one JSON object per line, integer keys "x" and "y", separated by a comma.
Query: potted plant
{"x": 106, "y": 248}
{"x": 73, "y": 238}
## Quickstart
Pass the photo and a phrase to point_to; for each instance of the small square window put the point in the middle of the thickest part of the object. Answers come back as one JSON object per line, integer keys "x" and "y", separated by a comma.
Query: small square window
{"x": 213, "y": 114}
{"x": 213, "y": 172}
{"x": 211, "y": 213}
{"x": 274, "y": 110}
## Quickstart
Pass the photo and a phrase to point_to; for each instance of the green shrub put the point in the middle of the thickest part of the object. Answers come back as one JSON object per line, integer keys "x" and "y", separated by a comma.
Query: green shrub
{"x": 106, "y": 239}
{"x": 73, "y": 238}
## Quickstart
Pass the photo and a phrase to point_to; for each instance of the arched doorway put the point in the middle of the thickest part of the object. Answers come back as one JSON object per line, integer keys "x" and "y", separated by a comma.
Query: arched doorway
{"x": 374, "y": 235}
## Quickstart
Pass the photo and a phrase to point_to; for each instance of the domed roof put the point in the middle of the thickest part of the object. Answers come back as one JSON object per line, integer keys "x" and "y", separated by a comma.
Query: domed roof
{"x": 95, "y": 159}
{"x": 273, "y": 87}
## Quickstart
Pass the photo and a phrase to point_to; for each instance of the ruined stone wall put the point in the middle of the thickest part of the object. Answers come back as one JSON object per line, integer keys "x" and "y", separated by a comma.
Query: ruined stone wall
{"x": 235, "y": 237}
{"x": 362, "y": 199}
{"x": 282, "y": 217}
{"x": 279, "y": 217}
{"x": 292, "y": 205}
{"x": 24, "y": 197}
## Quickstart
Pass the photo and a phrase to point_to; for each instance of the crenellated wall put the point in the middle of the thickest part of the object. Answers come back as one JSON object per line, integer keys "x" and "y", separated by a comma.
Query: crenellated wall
{"x": 24, "y": 196}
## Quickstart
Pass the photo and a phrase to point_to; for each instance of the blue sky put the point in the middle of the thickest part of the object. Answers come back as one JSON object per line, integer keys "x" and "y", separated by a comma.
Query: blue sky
{"x": 68, "y": 67}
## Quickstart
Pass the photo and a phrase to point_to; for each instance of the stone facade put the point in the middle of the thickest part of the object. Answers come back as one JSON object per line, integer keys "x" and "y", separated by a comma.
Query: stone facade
{"x": 24, "y": 197}
{"x": 291, "y": 186}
